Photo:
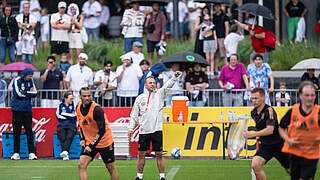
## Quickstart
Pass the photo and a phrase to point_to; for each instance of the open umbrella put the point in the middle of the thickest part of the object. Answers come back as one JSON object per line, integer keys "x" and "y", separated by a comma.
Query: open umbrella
{"x": 256, "y": 10}
{"x": 17, "y": 66}
{"x": 313, "y": 63}
{"x": 213, "y": 1}
{"x": 185, "y": 58}
{"x": 150, "y": 2}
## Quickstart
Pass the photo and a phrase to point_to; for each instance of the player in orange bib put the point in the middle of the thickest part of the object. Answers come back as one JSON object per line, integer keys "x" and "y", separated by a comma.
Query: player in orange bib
{"x": 300, "y": 129}
{"x": 96, "y": 135}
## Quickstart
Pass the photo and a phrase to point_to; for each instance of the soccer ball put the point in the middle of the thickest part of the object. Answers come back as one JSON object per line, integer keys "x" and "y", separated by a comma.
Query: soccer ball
{"x": 176, "y": 153}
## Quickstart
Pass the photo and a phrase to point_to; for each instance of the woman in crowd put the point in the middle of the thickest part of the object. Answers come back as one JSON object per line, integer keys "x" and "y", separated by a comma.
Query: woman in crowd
{"x": 198, "y": 47}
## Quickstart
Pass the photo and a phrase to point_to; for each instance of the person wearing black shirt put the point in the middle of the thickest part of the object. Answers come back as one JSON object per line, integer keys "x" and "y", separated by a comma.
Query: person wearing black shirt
{"x": 270, "y": 142}
{"x": 234, "y": 11}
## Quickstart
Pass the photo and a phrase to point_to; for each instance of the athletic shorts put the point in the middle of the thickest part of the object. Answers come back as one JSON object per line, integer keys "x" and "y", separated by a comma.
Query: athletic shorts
{"x": 151, "y": 45}
{"x": 59, "y": 47}
{"x": 302, "y": 168}
{"x": 274, "y": 150}
{"x": 107, "y": 153}
{"x": 155, "y": 138}
{"x": 209, "y": 46}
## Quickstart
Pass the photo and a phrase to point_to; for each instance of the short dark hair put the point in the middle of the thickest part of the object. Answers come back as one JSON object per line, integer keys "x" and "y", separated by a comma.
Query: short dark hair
{"x": 144, "y": 62}
{"x": 261, "y": 91}
{"x": 67, "y": 94}
{"x": 84, "y": 89}
{"x": 235, "y": 55}
{"x": 256, "y": 56}
{"x": 305, "y": 84}
{"x": 51, "y": 57}
{"x": 234, "y": 28}
{"x": 283, "y": 84}
{"x": 107, "y": 62}
{"x": 149, "y": 77}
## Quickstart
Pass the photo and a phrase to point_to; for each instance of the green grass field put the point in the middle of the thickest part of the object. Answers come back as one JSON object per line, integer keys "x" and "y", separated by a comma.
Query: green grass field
{"x": 175, "y": 169}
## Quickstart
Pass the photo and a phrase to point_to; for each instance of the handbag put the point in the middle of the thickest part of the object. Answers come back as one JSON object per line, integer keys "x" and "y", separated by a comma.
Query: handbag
{"x": 84, "y": 35}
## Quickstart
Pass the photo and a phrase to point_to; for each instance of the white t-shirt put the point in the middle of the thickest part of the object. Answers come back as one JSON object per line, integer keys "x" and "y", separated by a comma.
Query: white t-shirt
{"x": 27, "y": 44}
{"x": 91, "y": 10}
{"x": 101, "y": 77}
{"x": 60, "y": 35}
{"x": 231, "y": 42}
{"x": 79, "y": 78}
{"x": 105, "y": 15}
{"x": 178, "y": 87}
{"x": 129, "y": 84}
{"x": 136, "y": 58}
{"x": 32, "y": 19}
{"x": 34, "y": 4}
{"x": 286, "y": 97}
{"x": 183, "y": 10}
{"x": 193, "y": 16}
{"x": 44, "y": 21}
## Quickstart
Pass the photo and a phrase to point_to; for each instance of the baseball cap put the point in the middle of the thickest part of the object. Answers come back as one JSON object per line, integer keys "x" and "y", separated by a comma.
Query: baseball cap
{"x": 62, "y": 4}
{"x": 137, "y": 44}
{"x": 83, "y": 56}
{"x": 125, "y": 56}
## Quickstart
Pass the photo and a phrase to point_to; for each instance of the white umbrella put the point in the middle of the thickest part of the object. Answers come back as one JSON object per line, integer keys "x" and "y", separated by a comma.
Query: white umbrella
{"x": 313, "y": 63}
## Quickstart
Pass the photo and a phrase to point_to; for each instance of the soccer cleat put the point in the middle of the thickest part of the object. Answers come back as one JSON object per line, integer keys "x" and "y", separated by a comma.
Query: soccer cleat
{"x": 64, "y": 154}
{"x": 137, "y": 178}
{"x": 66, "y": 158}
{"x": 32, "y": 156}
{"x": 15, "y": 156}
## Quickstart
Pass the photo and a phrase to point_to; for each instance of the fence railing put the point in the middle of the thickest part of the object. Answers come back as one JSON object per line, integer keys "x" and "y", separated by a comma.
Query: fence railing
{"x": 210, "y": 98}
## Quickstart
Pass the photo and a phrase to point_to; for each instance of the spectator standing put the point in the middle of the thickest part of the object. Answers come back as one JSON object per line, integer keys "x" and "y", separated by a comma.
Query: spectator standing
{"x": 232, "y": 40}
{"x": 178, "y": 87}
{"x": 9, "y": 35}
{"x": 104, "y": 19}
{"x": 221, "y": 21}
{"x": 259, "y": 74}
{"x": 35, "y": 9}
{"x": 78, "y": 76}
{"x": 128, "y": 76}
{"x": 75, "y": 40}
{"x": 156, "y": 26}
{"x": 21, "y": 107}
{"x": 234, "y": 10}
{"x": 3, "y": 92}
{"x": 194, "y": 12}
{"x": 44, "y": 24}
{"x": 64, "y": 66}
{"x": 132, "y": 22}
{"x": 60, "y": 24}
{"x": 282, "y": 97}
{"x": 91, "y": 10}
{"x": 106, "y": 82}
{"x": 294, "y": 10}
{"x": 182, "y": 16}
{"x": 309, "y": 76}
{"x": 136, "y": 55}
{"x": 26, "y": 21}
{"x": 144, "y": 65}
{"x": 66, "y": 128}
{"x": 198, "y": 47}
{"x": 230, "y": 81}
{"x": 52, "y": 80}
{"x": 196, "y": 81}
{"x": 29, "y": 46}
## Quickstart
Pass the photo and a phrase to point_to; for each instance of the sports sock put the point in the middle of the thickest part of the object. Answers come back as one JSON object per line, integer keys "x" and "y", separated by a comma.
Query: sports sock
{"x": 139, "y": 175}
{"x": 162, "y": 175}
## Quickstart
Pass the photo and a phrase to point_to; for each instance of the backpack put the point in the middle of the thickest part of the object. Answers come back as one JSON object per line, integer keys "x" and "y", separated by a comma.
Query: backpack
{"x": 269, "y": 42}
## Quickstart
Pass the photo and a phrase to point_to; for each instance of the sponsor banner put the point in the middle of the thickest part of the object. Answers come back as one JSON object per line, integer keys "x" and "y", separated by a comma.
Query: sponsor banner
{"x": 206, "y": 139}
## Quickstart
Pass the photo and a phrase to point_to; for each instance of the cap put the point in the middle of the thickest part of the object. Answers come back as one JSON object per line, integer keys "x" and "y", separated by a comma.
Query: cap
{"x": 125, "y": 56}
{"x": 62, "y": 4}
{"x": 137, "y": 44}
{"x": 83, "y": 56}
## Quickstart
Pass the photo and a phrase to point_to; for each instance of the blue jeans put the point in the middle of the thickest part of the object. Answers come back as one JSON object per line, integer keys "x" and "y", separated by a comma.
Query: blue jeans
{"x": 3, "y": 51}
{"x": 27, "y": 58}
{"x": 196, "y": 104}
{"x": 128, "y": 43}
{"x": 94, "y": 32}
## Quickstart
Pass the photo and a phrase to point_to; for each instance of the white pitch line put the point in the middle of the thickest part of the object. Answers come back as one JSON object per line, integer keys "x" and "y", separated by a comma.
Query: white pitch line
{"x": 38, "y": 178}
{"x": 173, "y": 171}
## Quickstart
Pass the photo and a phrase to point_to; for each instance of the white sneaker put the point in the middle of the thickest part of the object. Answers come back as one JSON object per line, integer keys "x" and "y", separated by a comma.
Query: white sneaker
{"x": 64, "y": 154}
{"x": 15, "y": 156}
{"x": 66, "y": 158}
{"x": 32, "y": 156}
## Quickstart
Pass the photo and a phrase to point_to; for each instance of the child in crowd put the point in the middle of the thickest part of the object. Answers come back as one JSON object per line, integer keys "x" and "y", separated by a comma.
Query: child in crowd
{"x": 282, "y": 97}
{"x": 28, "y": 46}
{"x": 64, "y": 66}
{"x": 232, "y": 40}
{"x": 44, "y": 23}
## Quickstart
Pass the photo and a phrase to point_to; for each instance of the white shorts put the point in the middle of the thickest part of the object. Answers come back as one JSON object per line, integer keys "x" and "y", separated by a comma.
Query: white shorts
{"x": 19, "y": 48}
{"x": 75, "y": 41}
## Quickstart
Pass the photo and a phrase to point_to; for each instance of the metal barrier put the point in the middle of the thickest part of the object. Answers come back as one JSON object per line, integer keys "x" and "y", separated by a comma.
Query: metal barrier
{"x": 212, "y": 97}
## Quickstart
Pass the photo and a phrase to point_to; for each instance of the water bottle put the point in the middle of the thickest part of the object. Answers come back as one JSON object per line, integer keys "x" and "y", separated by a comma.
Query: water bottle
{"x": 234, "y": 117}
{"x": 221, "y": 116}
{"x": 180, "y": 118}
{"x": 230, "y": 115}
{"x": 165, "y": 116}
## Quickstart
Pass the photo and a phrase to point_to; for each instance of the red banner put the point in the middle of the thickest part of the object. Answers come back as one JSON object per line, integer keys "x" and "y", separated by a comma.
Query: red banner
{"x": 45, "y": 124}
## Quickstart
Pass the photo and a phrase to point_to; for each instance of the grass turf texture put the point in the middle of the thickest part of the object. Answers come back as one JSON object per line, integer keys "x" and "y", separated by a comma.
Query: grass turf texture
{"x": 185, "y": 170}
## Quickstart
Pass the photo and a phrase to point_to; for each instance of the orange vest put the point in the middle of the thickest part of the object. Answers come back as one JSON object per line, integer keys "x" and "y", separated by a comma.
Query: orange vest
{"x": 306, "y": 130}
{"x": 90, "y": 128}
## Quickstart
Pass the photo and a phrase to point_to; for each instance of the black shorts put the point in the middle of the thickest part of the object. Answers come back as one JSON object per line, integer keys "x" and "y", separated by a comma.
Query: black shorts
{"x": 151, "y": 45}
{"x": 59, "y": 47}
{"x": 302, "y": 168}
{"x": 107, "y": 153}
{"x": 274, "y": 150}
{"x": 155, "y": 138}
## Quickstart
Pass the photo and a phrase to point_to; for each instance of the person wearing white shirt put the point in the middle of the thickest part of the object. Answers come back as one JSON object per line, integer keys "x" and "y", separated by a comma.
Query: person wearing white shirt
{"x": 135, "y": 55}
{"x": 128, "y": 76}
{"x": 35, "y": 9}
{"x": 104, "y": 19}
{"x": 44, "y": 24}
{"x": 282, "y": 97}
{"x": 25, "y": 21}
{"x": 194, "y": 12}
{"x": 28, "y": 47}
{"x": 231, "y": 41}
{"x": 91, "y": 10}
{"x": 182, "y": 16}
{"x": 60, "y": 24}
{"x": 78, "y": 76}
